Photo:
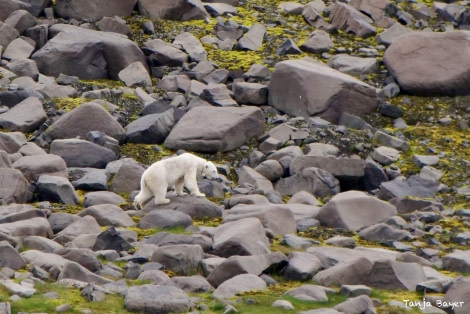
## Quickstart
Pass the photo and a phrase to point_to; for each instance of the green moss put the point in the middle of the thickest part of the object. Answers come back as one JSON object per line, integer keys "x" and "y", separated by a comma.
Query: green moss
{"x": 144, "y": 153}
{"x": 68, "y": 104}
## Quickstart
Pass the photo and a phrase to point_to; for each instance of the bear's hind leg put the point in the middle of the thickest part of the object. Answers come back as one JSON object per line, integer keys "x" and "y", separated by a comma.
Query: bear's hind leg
{"x": 160, "y": 193}
{"x": 179, "y": 185}
{"x": 143, "y": 196}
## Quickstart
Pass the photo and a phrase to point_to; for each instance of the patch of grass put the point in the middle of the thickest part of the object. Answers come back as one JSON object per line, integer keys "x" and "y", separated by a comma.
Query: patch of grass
{"x": 142, "y": 233}
{"x": 38, "y": 303}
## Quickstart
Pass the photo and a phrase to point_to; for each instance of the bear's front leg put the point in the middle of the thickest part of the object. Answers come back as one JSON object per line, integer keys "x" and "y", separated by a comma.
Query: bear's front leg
{"x": 191, "y": 183}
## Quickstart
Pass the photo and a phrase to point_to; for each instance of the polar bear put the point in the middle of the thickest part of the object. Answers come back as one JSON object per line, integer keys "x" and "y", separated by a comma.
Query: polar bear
{"x": 180, "y": 171}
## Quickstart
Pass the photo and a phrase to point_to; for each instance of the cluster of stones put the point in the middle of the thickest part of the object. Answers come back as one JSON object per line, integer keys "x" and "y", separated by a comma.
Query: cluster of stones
{"x": 47, "y": 155}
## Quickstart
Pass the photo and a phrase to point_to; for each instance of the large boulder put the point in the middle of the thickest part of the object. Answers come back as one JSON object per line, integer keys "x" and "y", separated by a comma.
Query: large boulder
{"x": 83, "y": 119}
{"x": 279, "y": 219}
{"x": 9, "y": 6}
{"x": 412, "y": 59}
{"x": 241, "y": 237}
{"x": 213, "y": 129}
{"x": 14, "y": 188}
{"x": 313, "y": 180}
{"x": 26, "y": 116}
{"x": 178, "y": 10}
{"x": 354, "y": 210}
{"x": 238, "y": 284}
{"x": 93, "y": 10}
{"x": 86, "y": 53}
{"x": 81, "y": 153}
{"x": 34, "y": 166}
{"x": 157, "y": 299}
{"x": 306, "y": 87}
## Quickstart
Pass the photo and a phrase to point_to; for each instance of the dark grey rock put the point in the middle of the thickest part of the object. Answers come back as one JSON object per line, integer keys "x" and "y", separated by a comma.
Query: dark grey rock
{"x": 81, "y": 153}
{"x": 56, "y": 189}
{"x": 227, "y": 129}
{"x": 180, "y": 258}
{"x": 165, "y": 218}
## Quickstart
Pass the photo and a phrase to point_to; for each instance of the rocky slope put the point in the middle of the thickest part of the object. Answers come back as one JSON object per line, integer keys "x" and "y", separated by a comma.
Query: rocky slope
{"x": 339, "y": 130}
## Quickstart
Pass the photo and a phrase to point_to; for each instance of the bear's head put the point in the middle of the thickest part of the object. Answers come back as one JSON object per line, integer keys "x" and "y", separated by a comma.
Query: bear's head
{"x": 210, "y": 171}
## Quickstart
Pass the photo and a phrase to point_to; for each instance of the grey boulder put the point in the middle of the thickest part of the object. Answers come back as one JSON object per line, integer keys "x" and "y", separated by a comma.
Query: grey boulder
{"x": 411, "y": 60}
{"x": 353, "y": 210}
{"x": 212, "y": 129}
{"x": 56, "y": 189}
{"x": 316, "y": 89}
{"x": 81, "y": 153}
{"x": 93, "y": 10}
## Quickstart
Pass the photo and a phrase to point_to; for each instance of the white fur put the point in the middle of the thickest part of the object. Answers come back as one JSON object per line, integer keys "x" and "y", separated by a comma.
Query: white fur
{"x": 180, "y": 171}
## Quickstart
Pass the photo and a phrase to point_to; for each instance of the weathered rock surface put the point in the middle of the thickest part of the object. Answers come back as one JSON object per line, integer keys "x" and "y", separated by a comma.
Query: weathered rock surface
{"x": 316, "y": 89}
{"x": 422, "y": 50}
{"x": 227, "y": 129}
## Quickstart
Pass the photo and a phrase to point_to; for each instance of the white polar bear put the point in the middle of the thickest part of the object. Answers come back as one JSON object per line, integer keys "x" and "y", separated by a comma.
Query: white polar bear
{"x": 180, "y": 171}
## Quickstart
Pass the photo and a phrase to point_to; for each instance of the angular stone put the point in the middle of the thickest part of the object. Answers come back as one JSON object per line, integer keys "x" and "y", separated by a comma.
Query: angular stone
{"x": 278, "y": 219}
{"x": 165, "y": 218}
{"x": 418, "y": 52}
{"x": 302, "y": 266}
{"x": 350, "y": 20}
{"x": 56, "y": 189}
{"x": 180, "y": 258}
{"x": 242, "y": 237}
{"x": 227, "y": 129}
{"x": 34, "y": 166}
{"x": 93, "y": 10}
{"x": 162, "y": 53}
{"x": 247, "y": 175}
{"x": 238, "y": 284}
{"x": 81, "y": 153}
{"x": 313, "y": 180}
{"x": 236, "y": 265}
{"x": 250, "y": 93}
{"x": 252, "y": 39}
{"x": 327, "y": 94}
{"x": 179, "y": 10}
{"x": 135, "y": 74}
{"x": 14, "y": 187}
{"x": 85, "y": 53}
{"x": 83, "y": 119}
{"x": 190, "y": 44}
{"x": 354, "y": 210}
{"x": 355, "y": 66}
{"x": 108, "y": 215}
{"x": 310, "y": 293}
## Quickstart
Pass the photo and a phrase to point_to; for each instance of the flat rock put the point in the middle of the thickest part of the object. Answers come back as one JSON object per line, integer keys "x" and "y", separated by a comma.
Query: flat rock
{"x": 157, "y": 299}
{"x": 318, "y": 182}
{"x": 458, "y": 261}
{"x": 324, "y": 93}
{"x": 108, "y": 215}
{"x": 14, "y": 187}
{"x": 165, "y": 218}
{"x": 152, "y": 128}
{"x": 197, "y": 208}
{"x": 83, "y": 119}
{"x": 279, "y": 219}
{"x": 241, "y": 237}
{"x": 34, "y": 226}
{"x": 179, "y": 10}
{"x": 418, "y": 52}
{"x": 34, "y": 166}
{"x": 301, "y": 266}
{"x": 236, "y": 265}
{"x": 353, "y": 210}
{"x": 93, "y": 10}
{"x": 81, "y": 153}
{"x": 238, "y": 284}
{"x": 355, "y": 66}
{"x": 56, "y": 189}
{"x": 411, "y": 186}
{"x": 85, "y": 53}
{"x": 310, "y": 293}
{"x": 179, "y": 258}
{"x": 211, "y": 129}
